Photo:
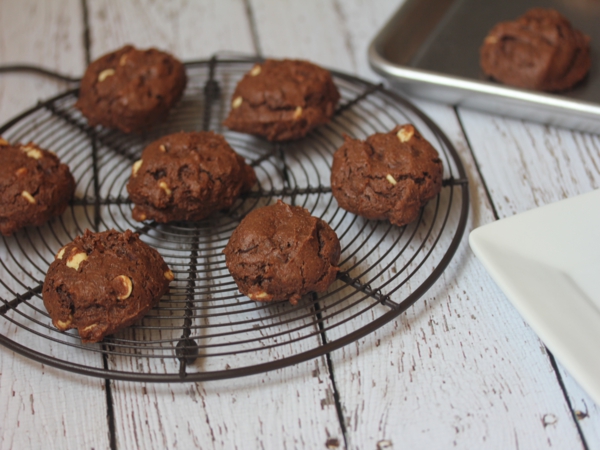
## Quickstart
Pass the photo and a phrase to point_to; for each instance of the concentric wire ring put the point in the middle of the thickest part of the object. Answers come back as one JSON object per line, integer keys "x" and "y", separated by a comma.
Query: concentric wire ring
{"x": 204, "y": 329}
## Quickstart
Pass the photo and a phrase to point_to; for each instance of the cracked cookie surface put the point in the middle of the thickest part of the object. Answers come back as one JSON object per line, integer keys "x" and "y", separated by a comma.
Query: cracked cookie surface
{"x": 281, "y": 252}
{"x": 34, "y": 186}
{"x": 282, "y": 100}
{"x": 187, "y": 176}
{"x": 539, "y": 50}
{"x": 103, "y": 282}
{"x": 131, "y": 89}
{"x": 390, "y": 176}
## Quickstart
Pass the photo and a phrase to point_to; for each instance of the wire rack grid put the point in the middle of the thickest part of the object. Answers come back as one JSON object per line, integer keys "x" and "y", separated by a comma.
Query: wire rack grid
{"x": 204, "y": 329}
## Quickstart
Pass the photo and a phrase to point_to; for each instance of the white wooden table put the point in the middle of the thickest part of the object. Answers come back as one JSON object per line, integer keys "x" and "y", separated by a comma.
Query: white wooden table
{"x": 459, "y": 369}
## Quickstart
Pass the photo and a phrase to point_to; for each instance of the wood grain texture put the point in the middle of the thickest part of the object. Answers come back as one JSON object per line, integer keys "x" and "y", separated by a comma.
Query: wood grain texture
{"x": 293, "y": 29}
{"x": 288, "y": 408}
{"x": 189, "y": 29}
{"x": 585, "y": 409}
{"x": 43, "y": 407}
{"x": 547, "y": 165}
{"x": 48, "y": 34}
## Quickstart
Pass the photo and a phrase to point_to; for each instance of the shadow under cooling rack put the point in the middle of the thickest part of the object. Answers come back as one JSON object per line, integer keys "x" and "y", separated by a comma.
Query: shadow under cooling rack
{"x": 204, "y": 329}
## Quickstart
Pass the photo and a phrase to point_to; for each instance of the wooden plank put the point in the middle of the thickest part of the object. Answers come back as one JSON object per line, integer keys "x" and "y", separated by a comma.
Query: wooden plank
{"x": 585, "y": 409}
{"x": 190, "y": 30}
{"x": 43, "y": 406}
{"x": 293, "y": 407}
{"x": 49, "y": 35}
{"x": 286, "y": 407}
{"x": 292, "y": 29}
{"x": 460, "y": 368}
{"x": 547, "y": 164}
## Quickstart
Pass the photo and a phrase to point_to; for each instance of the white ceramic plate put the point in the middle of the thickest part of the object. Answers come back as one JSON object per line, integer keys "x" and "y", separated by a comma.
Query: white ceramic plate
{"x": 547, "y": 262}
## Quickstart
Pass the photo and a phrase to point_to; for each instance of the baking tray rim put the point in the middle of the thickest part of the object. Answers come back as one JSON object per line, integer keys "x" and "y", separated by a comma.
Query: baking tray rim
{"x": 553, "y": 109}
{"x": 400, "y": 73}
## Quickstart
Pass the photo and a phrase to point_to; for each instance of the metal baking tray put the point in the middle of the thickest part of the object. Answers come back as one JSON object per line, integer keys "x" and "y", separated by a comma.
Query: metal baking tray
{"x": 430, "y": 49}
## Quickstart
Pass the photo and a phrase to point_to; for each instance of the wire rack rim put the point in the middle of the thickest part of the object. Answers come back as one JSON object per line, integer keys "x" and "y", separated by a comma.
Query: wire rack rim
{"x": 326, "y": 346}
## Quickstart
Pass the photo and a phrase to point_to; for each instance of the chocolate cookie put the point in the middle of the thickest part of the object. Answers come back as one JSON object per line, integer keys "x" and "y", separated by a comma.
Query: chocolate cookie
{"x": 103, "y": 282}
{"x": 34, "y": 186}
{"x": 281, "y": 252}
{"x": 282, "y": 100}
{"x": 540, "y": 50}
{"x": 389, "y": 176}
{"x": 131, "y": 89}
{"x": 187, "y": 176}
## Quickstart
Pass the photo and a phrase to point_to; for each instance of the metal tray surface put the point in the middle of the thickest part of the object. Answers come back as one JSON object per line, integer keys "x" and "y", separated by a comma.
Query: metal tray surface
{"x": 430, "y": 49}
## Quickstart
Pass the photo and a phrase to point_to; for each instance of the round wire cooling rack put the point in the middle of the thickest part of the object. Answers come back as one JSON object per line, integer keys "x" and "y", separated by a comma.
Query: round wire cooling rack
{"x": 204, "y": 329}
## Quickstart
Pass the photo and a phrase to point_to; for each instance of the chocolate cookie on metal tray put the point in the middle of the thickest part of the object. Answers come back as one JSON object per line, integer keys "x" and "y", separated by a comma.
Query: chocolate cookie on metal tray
{"x": 103, "y": 282}
{"x": 389, "y": 176}
{"x": 540, "y": 50}
{"x": 281, "y": 252}
{"x": 282, "y": 100}
{"x": 34, "y": 186}
{"x": 131, "y": 89}
{"x": 187, "y": 176}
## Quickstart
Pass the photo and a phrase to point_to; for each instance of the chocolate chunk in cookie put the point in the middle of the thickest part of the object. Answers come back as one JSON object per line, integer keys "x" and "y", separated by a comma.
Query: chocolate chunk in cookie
{"x": 131, "y": 89}
{"x": 282, "y": 100}
{"x": 389, "y": 176}
{"x": 281, "y": 252}
{"x": 34, "y": 186}
{"x": 187, "y": 176}
{"x": 103, "y": 282}
{"x": 540, "y": 50}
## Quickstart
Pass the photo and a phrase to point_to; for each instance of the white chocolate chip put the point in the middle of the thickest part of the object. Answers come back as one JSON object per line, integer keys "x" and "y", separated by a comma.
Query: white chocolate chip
{"x": 406, "y": 133}
{"x": 237, "y": 102}
{"x": 90, "y": 327}
{"x": 165, "y": 187}
{"x": 123, "y": 59}
{"x": 75, "y": 260}
{"x": 255, "y": 71}
{"x": 169, "y": 275}
{"x": 63, "y": 326}
{"x": 61, "y": 253}
{"x": 21, "y": 171}
{"x": 259, "y": 296}
{"x": 162, "y": 148}
{"x": 3, "y": 141}
{"x": 28, "y": 197}
{"x": 136, "y": 167}
{"x": 124, "y": 286}
{"x": 32, "y": 152}
{"x": 35, "y": 154}
{"x": 391, "y": 179}
{"x": 105, "y": 74}
{"x": 142, "y": 217}
{"x": 298, "y": 112}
